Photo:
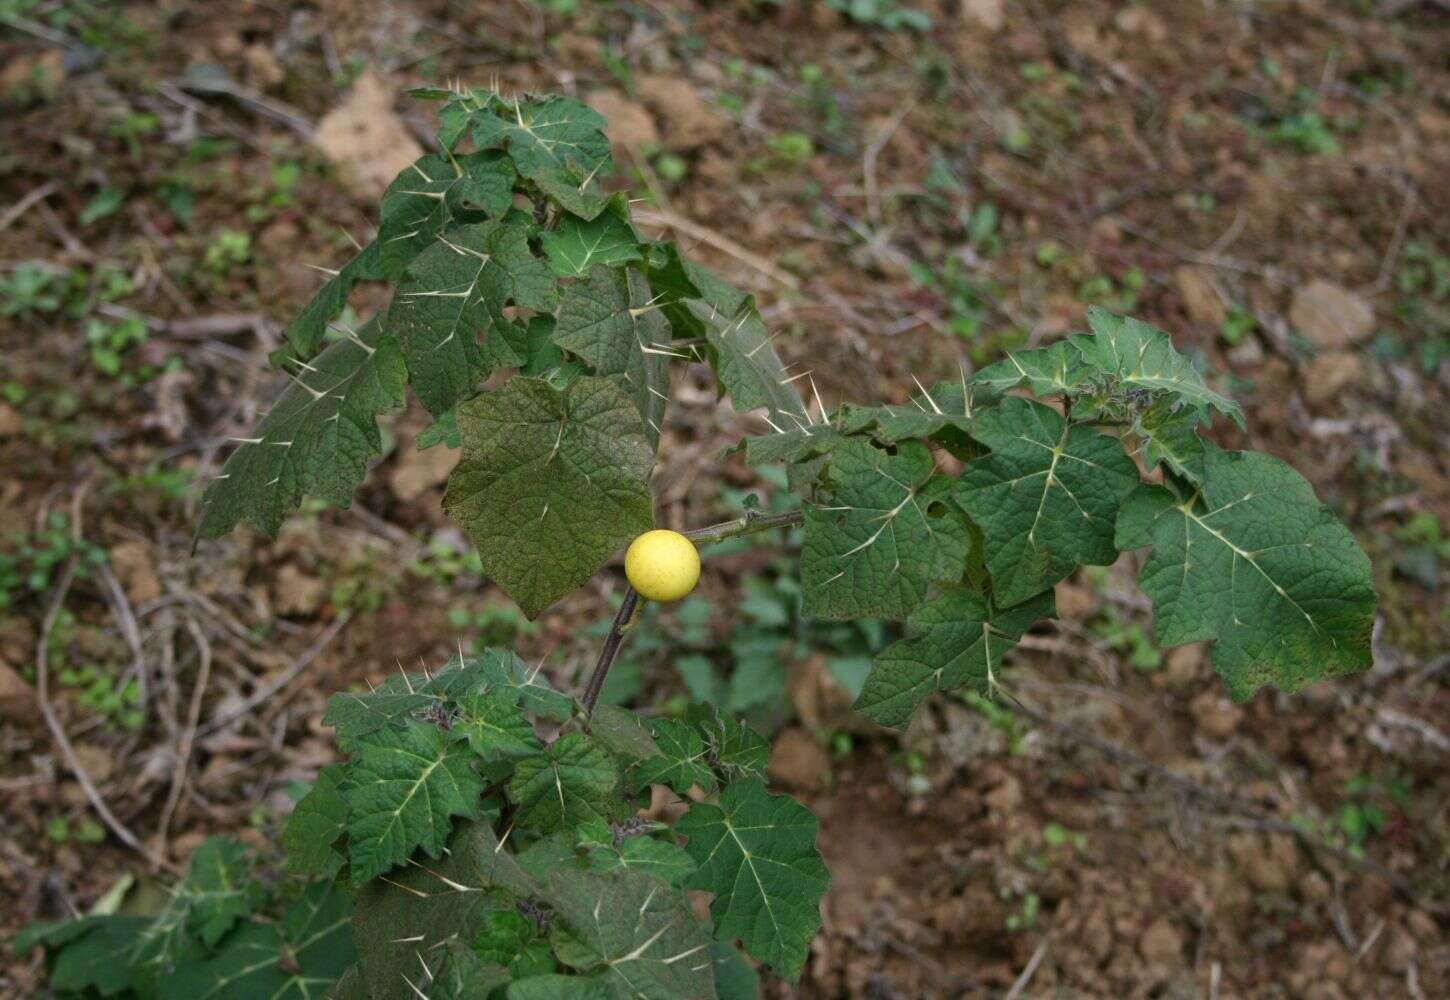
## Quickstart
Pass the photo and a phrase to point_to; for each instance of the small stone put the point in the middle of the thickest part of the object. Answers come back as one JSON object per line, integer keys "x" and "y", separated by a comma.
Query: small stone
{"x": 1215, "y": 716}
{"x": 1006, "y": 797}
{"x": 1161, "y": 943}
{"x": 631, "y": 126}
{"x": 986, "y": 14}
{"x": 416, "y": 472}
{"x": 1329, "y": 374}
{"x": 263, "y": 69}
{"x": 297, "y": 593}
{"x": 1183, "y": 665}
{"x": 1200, "y": 299}
{"x": 1331, "y": 316}
{"x": 136, "y": 570}
{"x": 688, "y": 122}
{"x": 365, "y": 137}
{"x": 1074, "y": 603}
{"x": 798, "y": 760}
{"x": 96, "y": 761}
{"x": 17, "y": 698}
{"x": 11, "y": 423}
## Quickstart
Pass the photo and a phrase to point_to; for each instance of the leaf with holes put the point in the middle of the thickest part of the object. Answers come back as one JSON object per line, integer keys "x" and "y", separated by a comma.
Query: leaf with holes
{"x": 606, "y": 319}
{"x": 571, "y": 782}
{"x": 1045, "y": 499}
{"x": 551, "y": 483}
{"x": 634, "y": 931}
{"x": 1135, "y": 356}
{"x": 406, "y": 786}
{"x": 883, "y": 537}
{"x": 556, "y": 142}
{"x": 1256, "y": 564}
{"x": 318, "y": 440}
{"x": 608, "y": 239}
{"x": 429, "y": 194}
{"x": 757, "y": 854}
{"x": 305, "y": 333}
{"x": 956, "y": 642}
{"x": 456, "y": 291}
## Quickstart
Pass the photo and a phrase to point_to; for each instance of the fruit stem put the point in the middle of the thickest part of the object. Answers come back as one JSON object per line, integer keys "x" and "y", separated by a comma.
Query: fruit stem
{"x": 747, "y": 524}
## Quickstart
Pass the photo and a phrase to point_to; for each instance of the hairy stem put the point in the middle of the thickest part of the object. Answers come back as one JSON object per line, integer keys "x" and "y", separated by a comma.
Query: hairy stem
{"x": 747, "y": 524}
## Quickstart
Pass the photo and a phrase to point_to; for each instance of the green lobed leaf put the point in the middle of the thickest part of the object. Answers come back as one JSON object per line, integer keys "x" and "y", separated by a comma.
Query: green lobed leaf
{"x": 682, "y": 761}
{"x": 304, "y": 334}
{"x": 298, "y": 958}
{"x": 1056, "y": 370}
{"x": 433, "y": 191}
{"x": 551, "y": 483}
{"x": 317, "y": 441}
{"x": 956, "y": 642}
{"x": 621, "y": 733}
{"x": 1045, "y": 499}
{"x": 571, "y": 782}
{"x": 403, "y": 921}
{"x": 406, "y": 786}
{"x": 316, "y": 823}
{"x": 735, "y": 977}
{"x": 607, "y": 320}
{"x": 577, "y": 246}
{"x": 456, "y": 291}
{"x": 494, "y": 724}
{"x": 556, "y": 142}
{"x": 884, "y": 536}
{"x": 218, "y": 889}
{"x": 946, "y": 411}
{"x": 634, "y": 931}
{"x": 1138, "y": 357}
{"x": 555, "y": 987}
{"x": 757, "y": 854}
{"x": 1255, "y": 563}
{"x": 91, "y": 953}
{"x": 663, "y": 859}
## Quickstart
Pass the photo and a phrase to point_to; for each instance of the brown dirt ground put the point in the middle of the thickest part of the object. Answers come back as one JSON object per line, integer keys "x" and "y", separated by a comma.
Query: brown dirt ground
{"x": 1159, "y": 137}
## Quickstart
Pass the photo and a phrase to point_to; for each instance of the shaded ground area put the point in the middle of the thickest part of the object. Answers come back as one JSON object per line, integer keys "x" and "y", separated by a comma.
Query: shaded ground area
{"x": 1268, "y": 182}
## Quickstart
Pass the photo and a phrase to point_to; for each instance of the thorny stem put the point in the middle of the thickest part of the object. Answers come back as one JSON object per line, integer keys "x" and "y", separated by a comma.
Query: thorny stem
{"x": 747, "y": 524}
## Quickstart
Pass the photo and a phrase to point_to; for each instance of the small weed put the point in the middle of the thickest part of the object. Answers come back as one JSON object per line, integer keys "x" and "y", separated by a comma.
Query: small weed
{"x": 888, "y": 15}
{"x": 231, "y": 248}
{"x": 1237, "y": 324}
{"x": 108, "y": 340}
{"x": 29, "y": 562}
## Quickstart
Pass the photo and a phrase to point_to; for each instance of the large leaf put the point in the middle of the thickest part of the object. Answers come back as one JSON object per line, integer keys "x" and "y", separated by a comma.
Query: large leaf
{"x": 556, "y": 142}
{"x": 571, "y": 782}
{"x": 317, "y": 441}
{"x": 607, "y": 320}
{"x": 317, "y": 821}
{"x": 219, "y": 889}
{"x": 957, "y": 642}
{"x": 305, "y": 333}
{"x": 1257, "y": 564}
{"x": 455, "y": 292}
{"x": 404, "y": 920}
{"x": 633, "y": 930}
{"x": 296, "y": 959}
{"x": 1136, "y": 357}
{"x": 407, "y": 784}
{"x": 757, "y": 854}
{"x": 428, "y": 195}
{"x": 884, "y": 537}
{"x": 1045, "y": 499}
{"x": 551, "y": 483}
{"x": 91, "y": 953}
{"x": 578, "y": 245}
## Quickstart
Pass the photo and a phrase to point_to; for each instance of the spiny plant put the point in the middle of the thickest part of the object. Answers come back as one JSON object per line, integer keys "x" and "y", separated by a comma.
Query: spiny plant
{"x": 489, "y": 836}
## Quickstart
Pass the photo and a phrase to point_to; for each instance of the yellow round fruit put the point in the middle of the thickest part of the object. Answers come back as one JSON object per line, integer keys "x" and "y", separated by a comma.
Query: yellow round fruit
{"x": 662, "y": 565}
